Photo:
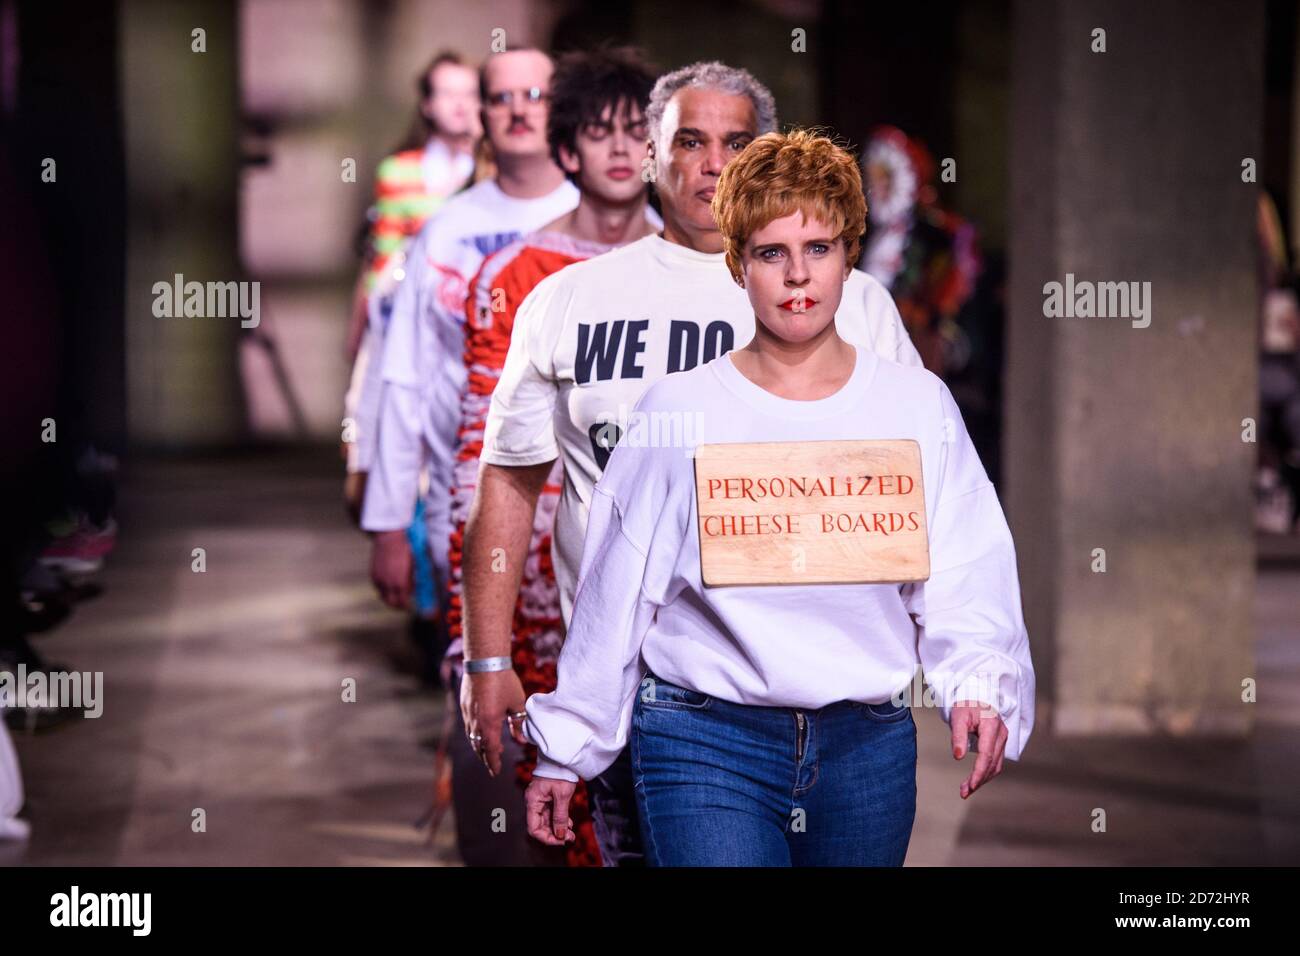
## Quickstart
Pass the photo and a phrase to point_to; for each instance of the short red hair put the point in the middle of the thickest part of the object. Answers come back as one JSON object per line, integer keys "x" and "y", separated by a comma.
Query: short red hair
{"x": 781, "y": 173}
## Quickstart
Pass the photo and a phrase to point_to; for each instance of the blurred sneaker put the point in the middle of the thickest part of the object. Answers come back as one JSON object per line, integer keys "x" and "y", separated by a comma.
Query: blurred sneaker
{"x": 82, "y": 550}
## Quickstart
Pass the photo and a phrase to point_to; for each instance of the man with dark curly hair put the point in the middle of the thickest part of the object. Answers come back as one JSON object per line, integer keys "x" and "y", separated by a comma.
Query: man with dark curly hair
{"x": 597, "y": 136}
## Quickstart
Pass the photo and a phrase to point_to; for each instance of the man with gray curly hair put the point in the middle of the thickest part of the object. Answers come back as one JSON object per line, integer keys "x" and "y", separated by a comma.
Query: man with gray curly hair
{"x": 586, "y": 343}
{"x": 697, "y": 119}
{"x": 711, "y": 76}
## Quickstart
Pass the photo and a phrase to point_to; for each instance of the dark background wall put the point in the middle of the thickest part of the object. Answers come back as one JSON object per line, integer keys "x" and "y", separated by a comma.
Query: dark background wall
{"x": 65, "y": 106}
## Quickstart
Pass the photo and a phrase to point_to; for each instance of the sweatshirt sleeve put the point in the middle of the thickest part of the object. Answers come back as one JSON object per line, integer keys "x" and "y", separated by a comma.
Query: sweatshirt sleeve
{"x": 894, "y": 342}
{"x": 366, "y": 412}
{"x": 583, "y": 725}
{"x": 399, "y": 450}
{"x": 971, "y": 634}
{"x": 394, "y": 482}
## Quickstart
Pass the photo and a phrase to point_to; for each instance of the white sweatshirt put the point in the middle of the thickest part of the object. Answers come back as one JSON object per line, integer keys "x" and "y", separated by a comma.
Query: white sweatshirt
{"x": 590, "y": 339}
{"x": 640, "y": 604}
{"x": 423, "y": 360}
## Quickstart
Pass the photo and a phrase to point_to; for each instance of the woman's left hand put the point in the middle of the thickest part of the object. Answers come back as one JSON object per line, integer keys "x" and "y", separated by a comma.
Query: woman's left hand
{"x": 973, "y": 716}
{"x": 546, "y": 809}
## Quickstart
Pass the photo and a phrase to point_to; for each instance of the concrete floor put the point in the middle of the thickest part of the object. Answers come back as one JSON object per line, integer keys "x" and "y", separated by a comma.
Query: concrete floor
{"x": 223, "y": 693}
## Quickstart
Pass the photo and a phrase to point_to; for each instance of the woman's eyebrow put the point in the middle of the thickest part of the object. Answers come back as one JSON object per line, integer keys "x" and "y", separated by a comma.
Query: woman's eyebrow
{"x": 806, "y": 242}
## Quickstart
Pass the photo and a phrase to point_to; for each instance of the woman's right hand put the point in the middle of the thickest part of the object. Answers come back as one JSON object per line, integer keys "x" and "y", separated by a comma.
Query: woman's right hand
{"x": 546, "y": 806}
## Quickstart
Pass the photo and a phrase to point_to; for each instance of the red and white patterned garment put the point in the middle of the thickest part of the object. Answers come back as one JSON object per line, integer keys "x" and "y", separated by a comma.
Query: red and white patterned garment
{"x": 502, "y": 282}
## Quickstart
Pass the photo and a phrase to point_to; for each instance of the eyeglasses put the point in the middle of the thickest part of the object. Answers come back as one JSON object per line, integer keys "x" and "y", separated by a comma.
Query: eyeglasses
{"x": 531, "y": 97}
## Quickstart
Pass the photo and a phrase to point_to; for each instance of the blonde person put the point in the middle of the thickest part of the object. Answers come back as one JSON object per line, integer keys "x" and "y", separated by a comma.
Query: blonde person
{"x": 772, "y": 733}
{"x": 436, "y": 160}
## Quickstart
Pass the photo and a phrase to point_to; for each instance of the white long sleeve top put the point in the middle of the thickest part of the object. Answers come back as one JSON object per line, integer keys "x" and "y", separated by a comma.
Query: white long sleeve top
{"x": 423, "y": 360}
{"x": 591, "y": 338}
{"x": 640, "y": 604}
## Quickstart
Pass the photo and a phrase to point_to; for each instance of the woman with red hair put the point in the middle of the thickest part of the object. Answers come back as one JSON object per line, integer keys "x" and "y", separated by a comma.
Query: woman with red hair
{"x": 768, "y": 723}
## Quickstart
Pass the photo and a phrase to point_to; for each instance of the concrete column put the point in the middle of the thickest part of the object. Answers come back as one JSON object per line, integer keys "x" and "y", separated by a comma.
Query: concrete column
{"x": 1126, "y": 167}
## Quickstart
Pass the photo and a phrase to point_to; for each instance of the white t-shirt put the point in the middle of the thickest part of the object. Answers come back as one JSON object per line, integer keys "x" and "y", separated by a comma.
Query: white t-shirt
{"x": 591, "y": 338}
{"x": 423, "y": 351}
{"x": 641, "y": 605}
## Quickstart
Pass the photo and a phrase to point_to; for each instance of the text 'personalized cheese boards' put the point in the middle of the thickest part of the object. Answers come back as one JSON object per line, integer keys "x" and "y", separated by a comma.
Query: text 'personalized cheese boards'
{"x": 813, "y": 512}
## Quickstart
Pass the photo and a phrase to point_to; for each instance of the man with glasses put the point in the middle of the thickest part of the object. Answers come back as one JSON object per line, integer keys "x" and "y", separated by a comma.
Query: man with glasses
{"x": 529, "y": 97}
{"x": 424, "y": 372}
{"x": 435, "y": 162}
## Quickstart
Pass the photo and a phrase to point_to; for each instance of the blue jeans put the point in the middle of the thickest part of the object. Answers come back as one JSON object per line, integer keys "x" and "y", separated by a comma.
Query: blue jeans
{"x": 723, "y": 784}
